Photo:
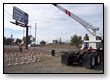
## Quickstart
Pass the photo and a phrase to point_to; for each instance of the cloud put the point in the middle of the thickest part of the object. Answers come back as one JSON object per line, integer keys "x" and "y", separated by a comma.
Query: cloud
{"x": 85, "y": 9}
{"x": 53, "y": 23}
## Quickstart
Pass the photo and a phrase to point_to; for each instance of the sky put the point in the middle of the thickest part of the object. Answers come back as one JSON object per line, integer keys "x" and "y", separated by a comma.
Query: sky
{"x": 52, "y": 23}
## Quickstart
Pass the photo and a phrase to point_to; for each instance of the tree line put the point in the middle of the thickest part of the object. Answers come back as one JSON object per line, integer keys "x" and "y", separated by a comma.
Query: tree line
{"x": 75, "y": 40}
{"x": 11, "y": 41}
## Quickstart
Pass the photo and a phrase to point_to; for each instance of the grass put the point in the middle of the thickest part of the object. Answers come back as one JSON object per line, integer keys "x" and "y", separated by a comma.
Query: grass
{"x": 47, "y": 63}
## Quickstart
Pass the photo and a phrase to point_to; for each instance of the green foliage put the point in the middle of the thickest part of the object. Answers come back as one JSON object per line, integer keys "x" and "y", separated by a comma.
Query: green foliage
{"x": 18, "y": 41}
{"x": 30, "y": 39}
{"x": 75, "y": 40}
{"x": 55, "y": 41}
{"x": 8, "y": 41}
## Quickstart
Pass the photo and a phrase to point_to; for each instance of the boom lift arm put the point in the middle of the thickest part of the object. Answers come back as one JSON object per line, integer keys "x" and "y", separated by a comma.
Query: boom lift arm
{"x": 88, "y": 26}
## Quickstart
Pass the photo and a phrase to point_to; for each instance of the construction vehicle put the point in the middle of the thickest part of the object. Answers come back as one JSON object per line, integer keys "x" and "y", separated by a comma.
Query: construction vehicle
{"x": 87, "y": 57}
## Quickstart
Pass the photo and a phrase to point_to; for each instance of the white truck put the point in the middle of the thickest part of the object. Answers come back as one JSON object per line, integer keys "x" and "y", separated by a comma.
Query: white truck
{"x": 87, "y": 57}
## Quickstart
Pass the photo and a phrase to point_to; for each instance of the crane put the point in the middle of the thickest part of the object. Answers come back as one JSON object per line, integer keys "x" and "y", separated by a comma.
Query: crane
{"x": 86, "y": 57}
{"x": 88, "y": 26}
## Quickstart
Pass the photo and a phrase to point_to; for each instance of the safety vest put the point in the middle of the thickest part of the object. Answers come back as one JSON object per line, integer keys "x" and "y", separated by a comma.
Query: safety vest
{"x": 20, "y": 46}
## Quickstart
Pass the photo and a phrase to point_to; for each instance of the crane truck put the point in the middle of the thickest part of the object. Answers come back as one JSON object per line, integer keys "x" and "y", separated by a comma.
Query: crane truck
{"x": 86, "y": 57}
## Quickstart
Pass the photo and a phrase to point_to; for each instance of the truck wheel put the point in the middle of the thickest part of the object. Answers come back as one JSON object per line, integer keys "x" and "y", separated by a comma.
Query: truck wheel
{"x": 80, "y": 60}
{"x": 88, "y": 60}
{"x": 98, "y": 59}
{"x": 92, "y": 61}
{"x": 70, "y": 60}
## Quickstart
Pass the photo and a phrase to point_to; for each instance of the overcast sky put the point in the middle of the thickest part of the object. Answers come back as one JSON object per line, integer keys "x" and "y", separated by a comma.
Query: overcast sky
{"x": 53, "y": 23}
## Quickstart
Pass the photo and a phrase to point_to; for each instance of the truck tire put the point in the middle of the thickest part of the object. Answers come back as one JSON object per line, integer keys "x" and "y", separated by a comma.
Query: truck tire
{"x": 70, "y": 60}
{"x": 89, "y": 60}
{"x": 98, "y": 58}
{"x": 93, "y": 61}
{"x": 80, "y": 60}
{"x": 67, "y": 59}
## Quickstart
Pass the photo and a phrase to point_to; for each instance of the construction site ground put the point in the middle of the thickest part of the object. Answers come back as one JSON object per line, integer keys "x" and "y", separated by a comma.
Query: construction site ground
{"x": 46, "y": 63}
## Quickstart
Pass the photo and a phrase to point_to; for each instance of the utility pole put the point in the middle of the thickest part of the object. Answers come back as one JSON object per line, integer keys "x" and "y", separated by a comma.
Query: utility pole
{"x": 60, "y": 40}
{"x": 26, "y": 37}
{"x": 35, "y": 31}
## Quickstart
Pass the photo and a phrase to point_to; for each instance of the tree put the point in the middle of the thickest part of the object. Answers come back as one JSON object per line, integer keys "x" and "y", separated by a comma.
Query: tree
{"x": 42, "y": 42}
{"x": 76, "y": 40}
{"x": 18, "y": 41}
{"x": 9, "y": 41}
{"x": 30, "y": 39}
{"x": 55, "y": 41}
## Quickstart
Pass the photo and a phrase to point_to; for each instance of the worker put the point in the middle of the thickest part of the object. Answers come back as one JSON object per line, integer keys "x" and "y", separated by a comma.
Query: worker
{"x": 21, "y": 46}
{"x": 86, "y": 37}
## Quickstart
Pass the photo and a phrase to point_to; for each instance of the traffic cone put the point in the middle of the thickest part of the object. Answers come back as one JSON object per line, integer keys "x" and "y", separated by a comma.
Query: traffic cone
{"x": 12, "y": 57}
{"x": 25, "y": 56}
{"x": 38, "y": 56}
{"x": 30, "y": 57}
{"x": 16, "y": 61}
{"x": 28, "y": 60}
{"x": 22, "y": 60}
{"x": 9, "y": 61}
{"x": 34, "y": 58}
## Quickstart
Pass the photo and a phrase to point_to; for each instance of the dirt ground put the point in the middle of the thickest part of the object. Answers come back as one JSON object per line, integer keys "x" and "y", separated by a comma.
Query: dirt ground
{"x": 46, "y": 63}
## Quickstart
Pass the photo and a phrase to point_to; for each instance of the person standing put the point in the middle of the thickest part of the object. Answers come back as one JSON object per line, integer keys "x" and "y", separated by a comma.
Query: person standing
{"x": 86, "y": 37}
{"x": 21, "y": 46}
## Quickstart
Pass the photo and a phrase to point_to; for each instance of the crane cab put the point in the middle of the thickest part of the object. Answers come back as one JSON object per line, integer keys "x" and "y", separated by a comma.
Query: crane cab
{"x": 94, "y": 42}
